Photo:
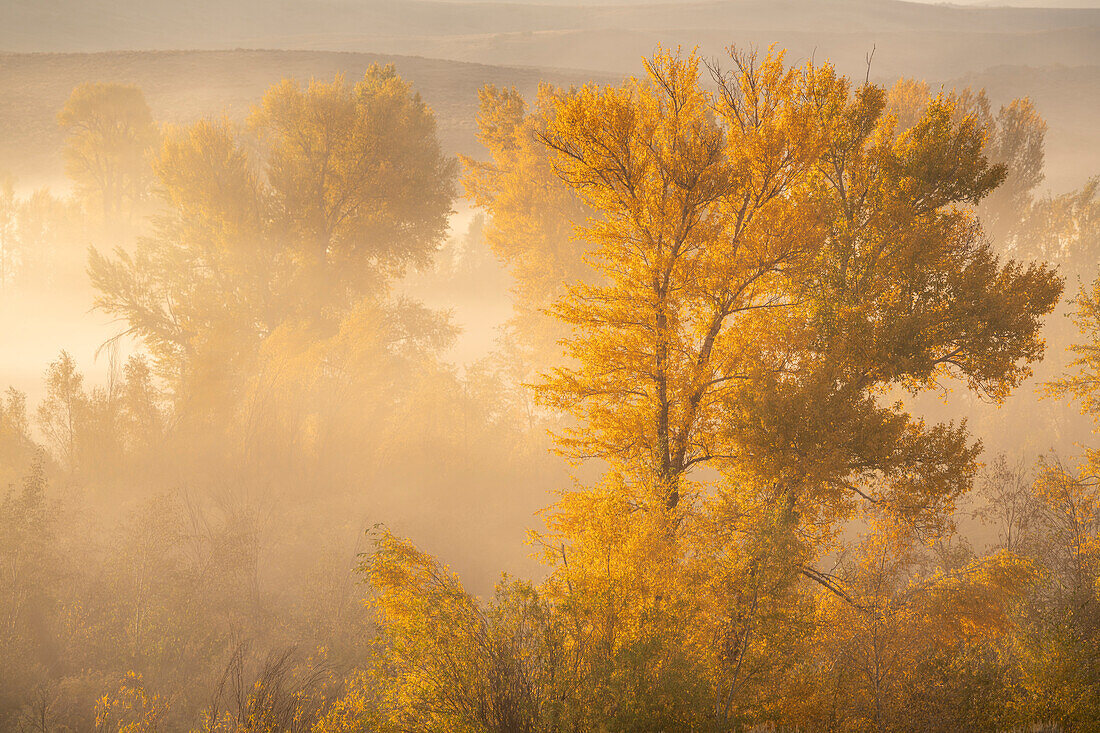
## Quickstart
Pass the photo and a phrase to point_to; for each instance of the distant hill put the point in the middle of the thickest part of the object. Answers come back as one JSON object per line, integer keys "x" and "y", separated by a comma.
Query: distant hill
{"x": 1011, "y": 48}
{"x": 184, "y": 85}
{"x": 934, "y": 41}
{"x": 916, "y": 38}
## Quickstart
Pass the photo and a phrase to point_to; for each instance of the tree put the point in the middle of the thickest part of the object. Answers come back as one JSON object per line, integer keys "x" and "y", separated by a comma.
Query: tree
{"x": 39, "y": 240}
{"x": 110, "y": 134}
{"x": 34, "y": 567}
{"x": 51, "y": 245}
{"x": 200, "y": 286}
{"x": 1081, "y": 380}
{"x": 60, "y": 413}
{"x": 689, "y": 619}
{"x": 1015, "y": 139}
{"x": 916, "y": 646}
{"x": 142, "y": 419}
{"x": 132, "y": 709}
{"x": 350, "y": 187}
{"x": 17, "y": 449}
{"x": 773, "y": 256}
{"x": 771, "y": 260}
{"x": 357, "y": 181}
{"x": 532, "y": 212}
{"x": 449, "y": 663}
{"x": 1008, "y": 501}
{"x": 1069, "y": 497}
{"x": 1064, "y": 229}
{"x": 9, "y": 210}
{"x": 1059, "y": 653}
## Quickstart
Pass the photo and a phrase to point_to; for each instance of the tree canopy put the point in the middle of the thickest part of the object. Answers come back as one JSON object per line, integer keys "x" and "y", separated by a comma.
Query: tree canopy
{"x": 110, "y": 136}
{"x": 773, "y": 256}
{"x": 330, "y": 192}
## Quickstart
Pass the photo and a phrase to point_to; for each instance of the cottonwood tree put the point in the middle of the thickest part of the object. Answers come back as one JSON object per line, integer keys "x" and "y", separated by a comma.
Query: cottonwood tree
{"x": 449, "y": 662}
{"x": 9, "y": 213}
{"x": 111, "y": 133}
{"x": 61, "y": 413}
{"x": 1015, "y": 139}
{"x": 345, "y": 187}
{"x": 17, "y": 448}
{"x": 359, "y": 187}
{"x": 773, "y": 255}
{"x": 1060, "y": 658}
{"x": 532, "y": 212}
{"x": 916, "y": 647}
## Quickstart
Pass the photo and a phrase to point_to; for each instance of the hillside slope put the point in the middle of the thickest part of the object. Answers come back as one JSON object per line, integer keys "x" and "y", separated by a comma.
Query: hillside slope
{"x": 184, "y": 85}
{"x": 916, "y": 38}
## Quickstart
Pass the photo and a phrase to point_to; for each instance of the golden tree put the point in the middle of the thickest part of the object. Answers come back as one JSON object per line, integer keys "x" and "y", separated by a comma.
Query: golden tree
{"x": 349, "y": 188}
{"x": 111, "y": 134}
{"x": 359, "y": 187}
{"x": 1015, "y": 138}
{"x": 914, "y": 647}
{"x": 773, "y": 257}
{"x": 531, "y": 211}
{"x": 1060, "y": 656}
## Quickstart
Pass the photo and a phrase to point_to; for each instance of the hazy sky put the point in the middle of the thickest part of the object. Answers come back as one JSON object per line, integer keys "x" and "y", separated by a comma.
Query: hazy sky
{"x": 1021, "y": 3}
{"x": 991, "y": 3}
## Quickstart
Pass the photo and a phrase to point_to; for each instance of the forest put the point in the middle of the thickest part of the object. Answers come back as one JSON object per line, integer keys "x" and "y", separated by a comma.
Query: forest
{"x": 789, "y": 427}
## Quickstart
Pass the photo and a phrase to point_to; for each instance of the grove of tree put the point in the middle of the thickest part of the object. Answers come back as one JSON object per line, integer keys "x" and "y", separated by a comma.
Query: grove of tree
{"x": 738, "y": 284}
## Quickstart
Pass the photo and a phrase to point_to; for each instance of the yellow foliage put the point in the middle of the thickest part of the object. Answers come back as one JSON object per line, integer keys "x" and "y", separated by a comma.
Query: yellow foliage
{"x": 131, "y": 709}
{"x": 771, "y": 256}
